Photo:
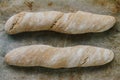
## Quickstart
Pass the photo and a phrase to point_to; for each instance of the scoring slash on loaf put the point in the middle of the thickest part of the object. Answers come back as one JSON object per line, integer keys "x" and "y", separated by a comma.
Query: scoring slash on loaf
{"x": 71, "y": 23}
{"x": 57, "y": 57}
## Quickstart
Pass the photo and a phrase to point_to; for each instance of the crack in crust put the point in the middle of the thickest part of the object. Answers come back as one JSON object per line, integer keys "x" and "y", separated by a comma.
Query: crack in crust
{"x": 18, "y": 19}
{"x": 56, "y": 21}
{"x": 85, "y": 60}
{"x": 13, "y": 25}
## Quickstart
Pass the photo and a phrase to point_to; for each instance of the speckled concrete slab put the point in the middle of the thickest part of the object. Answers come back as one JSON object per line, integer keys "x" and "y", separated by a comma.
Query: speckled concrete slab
{"x": 109, "y": 39}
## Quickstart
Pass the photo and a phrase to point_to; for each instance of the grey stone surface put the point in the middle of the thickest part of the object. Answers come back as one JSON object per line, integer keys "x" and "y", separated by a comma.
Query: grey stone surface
{"x": 109, "y": 39}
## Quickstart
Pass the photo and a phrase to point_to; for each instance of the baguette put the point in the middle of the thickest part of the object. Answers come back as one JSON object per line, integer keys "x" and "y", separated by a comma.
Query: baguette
{"x": 70, "y": 23}
{"x": 57, "y": 57}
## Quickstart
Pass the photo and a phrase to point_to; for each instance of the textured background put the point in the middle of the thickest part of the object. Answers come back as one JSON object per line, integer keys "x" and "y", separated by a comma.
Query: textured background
{"x": 109, "y": 39}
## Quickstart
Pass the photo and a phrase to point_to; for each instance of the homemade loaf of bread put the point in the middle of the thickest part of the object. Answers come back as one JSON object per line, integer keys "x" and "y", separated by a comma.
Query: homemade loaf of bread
{"x": 71, "y": 23}
{"x": 57, "y": 57}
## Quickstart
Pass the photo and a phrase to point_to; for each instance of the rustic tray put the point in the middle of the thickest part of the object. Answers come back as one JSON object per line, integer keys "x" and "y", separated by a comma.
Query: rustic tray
{"x": 109, "y": 39}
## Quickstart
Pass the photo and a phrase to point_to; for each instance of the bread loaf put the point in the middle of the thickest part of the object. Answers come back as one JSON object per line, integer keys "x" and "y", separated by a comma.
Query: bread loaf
{"x": 71, "y": 23}
{"x": 57, "y": 57}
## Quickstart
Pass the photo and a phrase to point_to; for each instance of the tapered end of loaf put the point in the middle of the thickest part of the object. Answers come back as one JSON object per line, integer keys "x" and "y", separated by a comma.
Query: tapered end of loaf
{"x": 109, "y": 56}
{"x": 99, "y": 58}
{"x": 12, "y": 57}
{"x": 9, "y": 58}
{"x": 108, "y": 22}
{"x": 12, "y": 23}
